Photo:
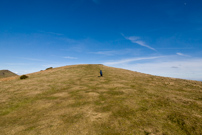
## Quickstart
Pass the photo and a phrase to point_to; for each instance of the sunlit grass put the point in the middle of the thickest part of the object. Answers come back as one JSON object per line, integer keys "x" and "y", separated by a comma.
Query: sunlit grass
{"x": 75, "y": 100}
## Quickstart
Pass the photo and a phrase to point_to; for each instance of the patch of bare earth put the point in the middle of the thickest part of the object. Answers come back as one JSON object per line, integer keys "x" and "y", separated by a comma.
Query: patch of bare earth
{"x": 61, "y": 94}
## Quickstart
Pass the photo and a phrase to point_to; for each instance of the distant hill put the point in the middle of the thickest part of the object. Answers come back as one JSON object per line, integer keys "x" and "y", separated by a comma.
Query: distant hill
{"x": 6, "y": 73}
{"x": 75, "y": 100}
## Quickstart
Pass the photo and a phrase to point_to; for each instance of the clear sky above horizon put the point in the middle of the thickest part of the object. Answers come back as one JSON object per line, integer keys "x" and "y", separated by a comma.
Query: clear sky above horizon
{"x": 158, "y": 37}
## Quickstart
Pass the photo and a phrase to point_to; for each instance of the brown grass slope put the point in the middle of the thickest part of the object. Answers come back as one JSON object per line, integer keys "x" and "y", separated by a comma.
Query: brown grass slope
{"x": 73, "y": 100}
{"x": 6, "y": 73}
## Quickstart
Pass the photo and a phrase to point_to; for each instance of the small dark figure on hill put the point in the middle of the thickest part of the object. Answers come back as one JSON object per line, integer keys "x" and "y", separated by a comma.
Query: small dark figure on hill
{"x": 100, "y": 72}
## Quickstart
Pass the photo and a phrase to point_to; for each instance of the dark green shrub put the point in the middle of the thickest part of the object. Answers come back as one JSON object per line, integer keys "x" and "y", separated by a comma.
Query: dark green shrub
{"x": 23, "y": 77}
{"x": 49, "y": 68}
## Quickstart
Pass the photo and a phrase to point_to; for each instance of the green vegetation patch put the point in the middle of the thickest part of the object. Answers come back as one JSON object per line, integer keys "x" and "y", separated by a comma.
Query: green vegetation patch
{"x": 30, "y": 128}
{"x": 107, "y": 102}
{"x": 23, "y": 77}
{"x": 124, "y": 112}
{"x": 72, "y": 118}
{"x": 187, "y": 123}
{"x": 115, "y": 93}
{"x": 12, "y": 106}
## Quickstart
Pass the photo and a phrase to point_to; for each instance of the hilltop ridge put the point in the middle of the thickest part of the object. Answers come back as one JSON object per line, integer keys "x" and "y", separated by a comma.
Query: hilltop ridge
{"x": 6, "y": 73}
{"x": 75, "y": 100}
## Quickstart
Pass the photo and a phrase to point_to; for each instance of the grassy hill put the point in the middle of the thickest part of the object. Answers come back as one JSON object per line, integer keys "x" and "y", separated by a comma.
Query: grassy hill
{"x": 75, "y": 100}
{"x": 6, "y": 73}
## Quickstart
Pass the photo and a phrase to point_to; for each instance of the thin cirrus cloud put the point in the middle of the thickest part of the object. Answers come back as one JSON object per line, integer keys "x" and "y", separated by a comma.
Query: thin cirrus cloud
{"x": 137, "y": 40}
{"x": 181, "y": 54}
{"x": 168, "y": 66}
{"x": 130, "y": 60}
{"x": 172, "y": 68}
{"x": 68, "y": 57}
{"x": 31, "y": 59}
{"x": 116, "y": 52}
{"x": 105, "y": 52}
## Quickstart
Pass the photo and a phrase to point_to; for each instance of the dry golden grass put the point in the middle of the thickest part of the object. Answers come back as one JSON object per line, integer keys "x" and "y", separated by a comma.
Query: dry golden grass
{"x": 74, "y": 100}
{"x": 6, "y": 74}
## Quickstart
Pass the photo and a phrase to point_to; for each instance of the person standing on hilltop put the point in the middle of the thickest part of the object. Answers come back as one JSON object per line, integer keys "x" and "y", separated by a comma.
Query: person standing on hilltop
{"x": 100, "y": 72}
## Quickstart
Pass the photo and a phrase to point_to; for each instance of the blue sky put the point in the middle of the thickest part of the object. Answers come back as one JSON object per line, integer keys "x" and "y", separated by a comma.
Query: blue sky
{"x": 159, "y": 37}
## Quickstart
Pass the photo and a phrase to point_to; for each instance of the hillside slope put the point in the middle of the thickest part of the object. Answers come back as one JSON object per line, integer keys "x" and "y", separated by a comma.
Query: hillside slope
{"x": 6, "y": 73}
{"x": 75, "y": 100}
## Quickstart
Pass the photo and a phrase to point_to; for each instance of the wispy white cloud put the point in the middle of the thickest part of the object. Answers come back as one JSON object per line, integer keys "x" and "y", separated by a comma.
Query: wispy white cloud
{"x": 130, "y": 60}
{"x": 52, "y": 33}
{"x": 105, "y": 52}
{"x": 176, "y": 48}
{"x": 167, "y": 66}
{"x": 80, "y": 45}
{"x": 117, "y": 52}
{"x": 17, "y": 64}
{"x": 186, "y": 69}
{"x": 31, "y": 59}
{"x": 181, "y": 54}
{"x": 137, "y": 40}
{"x": 68, "y": 57}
